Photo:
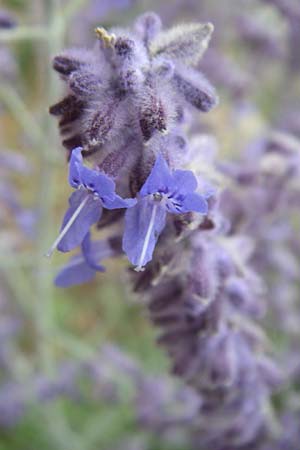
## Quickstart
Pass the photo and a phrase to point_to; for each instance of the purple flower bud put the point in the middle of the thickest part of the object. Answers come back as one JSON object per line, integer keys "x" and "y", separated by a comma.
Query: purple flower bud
{"x": 148, "y": 26}
{"x": 164, "y": 69}
{"x": 152, "y": 114}
{"x": 71, "y": 61}
{"x": 219, "y": 360}
{"x": 65, "y": 65}
{"x": 124, "y": 47}
{"x": 184, "y": 43}
{"x": 72, "y": 142}
{"x": 270, "y": 372}
{"x": 242, "y": 295}
{"x": 100, "y": 124}
{"x": 116, "y": 161}
{"x": 203, "y": 279}
{"x": 195, "y": 89}
{"x": 84, "y": 84}
{"x": 70, "y": 108}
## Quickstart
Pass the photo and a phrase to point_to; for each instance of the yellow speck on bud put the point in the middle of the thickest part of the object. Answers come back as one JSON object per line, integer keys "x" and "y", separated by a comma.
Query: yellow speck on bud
{"x": 209, "y": 27}
{"x": 107, "y": 39}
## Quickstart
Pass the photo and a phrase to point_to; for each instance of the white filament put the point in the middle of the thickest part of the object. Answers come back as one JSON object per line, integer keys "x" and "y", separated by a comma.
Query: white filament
{"x": 139, "y": 267}
{"x": 67, "y": 227}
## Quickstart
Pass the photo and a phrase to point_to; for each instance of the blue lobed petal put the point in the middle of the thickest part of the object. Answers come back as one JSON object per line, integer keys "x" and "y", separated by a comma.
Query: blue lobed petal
{"x": 159, "y": 180}
{"x": 91, "y": 257}
{"x": 75, "y": 162}
{"x": 76, "y": 272}
{"x": 118, "y": 202}
{"x": 208, "y": 190}
{"x": 90, "y": 214}
{"x": 83, "y": 267}
{"x": 185, "y": 181}
{"x": 143, "y": 225}
{"x": 97, "y": 182}
{"x": 194, "y": 202}
{"x": 92, "y": 179}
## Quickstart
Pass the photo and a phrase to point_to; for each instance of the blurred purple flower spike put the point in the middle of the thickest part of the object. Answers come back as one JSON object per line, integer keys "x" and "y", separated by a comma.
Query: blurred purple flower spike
{"x": 7, "y": 21}
{"x": 128, "y": 103}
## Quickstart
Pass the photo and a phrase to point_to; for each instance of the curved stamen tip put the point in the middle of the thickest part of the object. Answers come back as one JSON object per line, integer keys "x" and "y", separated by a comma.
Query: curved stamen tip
{"x": 139, "y": 268}
{"x": 49, "y": 253}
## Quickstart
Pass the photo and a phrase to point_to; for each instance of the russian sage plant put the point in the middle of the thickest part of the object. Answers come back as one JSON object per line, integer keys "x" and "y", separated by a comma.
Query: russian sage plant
{"x": 210, "y": 246}
{"x": 128, "y": 106}
{"x": 124, "y": 112}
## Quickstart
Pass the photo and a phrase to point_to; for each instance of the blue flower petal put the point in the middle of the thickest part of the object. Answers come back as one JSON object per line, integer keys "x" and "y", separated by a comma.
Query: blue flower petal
{"x": 118, "y": 202}
{"x": 194, "y": 202}
{"x": 89, "y": 215}
{"x": 159, "y": 180}
{"x": 91, "y": 257}
{"x": 76, "y": 272}
{"x": 83, "y": 267}
{"x": 143, "y": 225}
{"x": 208, "y": 190}
{"x": 75, "y": 162}
{"x": 97, "y": 182}
{"x": 185, "y": 181}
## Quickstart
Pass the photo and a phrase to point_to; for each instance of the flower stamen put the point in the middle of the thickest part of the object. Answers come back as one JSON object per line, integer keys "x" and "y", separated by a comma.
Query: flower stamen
{"x": 140, "y": 267}
{"x": 67, "y": 227}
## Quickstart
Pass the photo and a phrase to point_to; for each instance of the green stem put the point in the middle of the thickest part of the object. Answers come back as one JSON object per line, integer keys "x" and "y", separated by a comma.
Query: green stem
{"x": 24, "y": 33}
{"x": 44, "y": 288}
{"x": 20, "y": 112}
{"x": 72, "y": 8}
{"x": 43, "y": 137}
{"x": 67, "y": 439}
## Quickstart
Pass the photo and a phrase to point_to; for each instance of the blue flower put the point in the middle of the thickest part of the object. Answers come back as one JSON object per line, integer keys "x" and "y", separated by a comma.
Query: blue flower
{"x": 83, "y": 267}
{"x": 163, "y": 192}
{"x": 95, "y": 191}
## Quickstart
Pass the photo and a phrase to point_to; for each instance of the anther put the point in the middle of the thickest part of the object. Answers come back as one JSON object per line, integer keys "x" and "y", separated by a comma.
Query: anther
{"x": 107, "y": 39}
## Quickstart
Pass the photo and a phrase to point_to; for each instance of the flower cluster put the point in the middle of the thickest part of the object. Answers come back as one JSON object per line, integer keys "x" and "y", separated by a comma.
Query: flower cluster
{"x": 126, "y": 101}
{"x": 131, "y": 86}
{"x": 145, "y": 218}
{"x": 127, "y": 107}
